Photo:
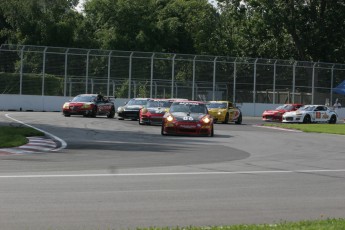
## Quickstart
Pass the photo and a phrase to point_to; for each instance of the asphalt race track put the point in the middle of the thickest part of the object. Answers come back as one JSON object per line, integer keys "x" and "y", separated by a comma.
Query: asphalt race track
{"x": 116, "y": 174}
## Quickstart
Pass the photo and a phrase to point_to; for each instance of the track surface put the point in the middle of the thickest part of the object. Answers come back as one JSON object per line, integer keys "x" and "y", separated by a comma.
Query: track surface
{"x": 117, "y": 175}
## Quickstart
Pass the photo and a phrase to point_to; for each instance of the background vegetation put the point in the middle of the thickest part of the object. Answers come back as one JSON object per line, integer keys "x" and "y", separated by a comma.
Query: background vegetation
{"x": 307, "y": 30}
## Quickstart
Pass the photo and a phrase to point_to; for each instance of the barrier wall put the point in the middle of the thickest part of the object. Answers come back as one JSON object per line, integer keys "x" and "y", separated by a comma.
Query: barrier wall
{"x": 54, "y": 104}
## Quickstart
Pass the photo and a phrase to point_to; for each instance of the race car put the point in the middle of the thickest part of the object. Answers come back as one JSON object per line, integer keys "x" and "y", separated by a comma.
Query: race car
{"x": 311, "y": 114}
{"x": 152, "y": 113}
{"x": 89, "y": 105}
{"x": 187, "y": 118}
{"x": 277, "y": 114}
{"x": 131, "y": 109}
{"x": 224, "y": 112}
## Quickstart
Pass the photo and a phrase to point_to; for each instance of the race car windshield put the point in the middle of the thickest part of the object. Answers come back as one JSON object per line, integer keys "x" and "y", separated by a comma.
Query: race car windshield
{"x": 307, "y": 108}
{"x": 137, "y": 102}
{"x": 217, "y": 106}
{"x": 284, "y": 107}
{"x": 83, "y": 99}
{"x": 156, "y": 104}
{"x": 188, "y": 108}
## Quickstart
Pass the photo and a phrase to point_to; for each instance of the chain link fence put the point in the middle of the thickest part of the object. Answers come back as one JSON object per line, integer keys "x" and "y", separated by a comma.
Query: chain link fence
{"x": 57, "y": 71}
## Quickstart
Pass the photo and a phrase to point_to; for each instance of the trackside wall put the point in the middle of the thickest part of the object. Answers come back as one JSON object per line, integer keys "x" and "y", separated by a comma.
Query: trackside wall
{"x": 9, "y": 102}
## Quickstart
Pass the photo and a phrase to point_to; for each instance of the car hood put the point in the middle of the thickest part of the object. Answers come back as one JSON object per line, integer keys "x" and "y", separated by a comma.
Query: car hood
{"x": 216, "y": 110}
{"x": 275, "y": 111}
{"x": 182, "y": 116}
{"x": 79, "y": 103}
{"x": 133, "y": 107}
{"x": 157, "y": 109}
{"x": 294, "y": 113}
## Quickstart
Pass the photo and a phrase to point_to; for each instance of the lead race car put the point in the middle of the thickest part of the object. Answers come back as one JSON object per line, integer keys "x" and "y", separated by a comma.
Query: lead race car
{"x": 89, "y": 105}
{"x": 224, "y": 112}
{"x": 311, "y": 114}
{"x": 188, "y": 118}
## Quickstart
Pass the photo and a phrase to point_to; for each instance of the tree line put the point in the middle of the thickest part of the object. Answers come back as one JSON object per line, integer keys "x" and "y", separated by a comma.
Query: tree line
{"x": 305, "y": 30}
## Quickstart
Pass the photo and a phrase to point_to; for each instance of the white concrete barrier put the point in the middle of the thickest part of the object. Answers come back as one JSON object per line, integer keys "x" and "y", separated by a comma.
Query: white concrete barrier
{"x": 10, "y": 102}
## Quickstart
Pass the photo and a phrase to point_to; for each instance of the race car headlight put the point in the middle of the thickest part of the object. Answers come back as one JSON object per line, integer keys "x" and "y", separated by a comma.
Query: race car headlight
{"x": 219, "y": 113}
{"x": 170, "y": 118}
{"x": 206, "y": 120}
{"x": 86, "y": 106}
{"x": 144, "y": 111}
{"x": 120, "y": 109}
{"x": 66, "y": 106}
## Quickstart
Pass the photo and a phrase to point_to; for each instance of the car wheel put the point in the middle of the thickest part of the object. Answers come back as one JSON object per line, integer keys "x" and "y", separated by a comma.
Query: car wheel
{"x": 162, "y": 131}
{"x": 239, "y": 119}
{"x": 333, "y": 120}
{"x": 212, "y": 131}
{"x": 226, "y": 118}
{"x": 112, "y": 113}
{"x": 306, "y": 119}
{"x": 94, "y": 112}
{"x": 67, "y": 115}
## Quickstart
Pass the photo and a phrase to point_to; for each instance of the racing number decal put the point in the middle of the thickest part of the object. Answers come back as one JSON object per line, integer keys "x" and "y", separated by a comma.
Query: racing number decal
{"x": 318, "y": 115}
{"x": 187, "y": 118}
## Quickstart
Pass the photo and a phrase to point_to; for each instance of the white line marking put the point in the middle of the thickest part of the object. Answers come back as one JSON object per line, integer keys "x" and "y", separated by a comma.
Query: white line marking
{"x": 174, "y": 174}
{"x": 63, "y": 143}
{"x": 277, "y": 128}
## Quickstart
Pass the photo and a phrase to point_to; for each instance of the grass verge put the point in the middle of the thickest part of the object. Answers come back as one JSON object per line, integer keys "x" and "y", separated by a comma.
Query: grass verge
{"x": 314, "y": 128}
{"x": 327, "y": 224}
{"x": 16, "y": 136}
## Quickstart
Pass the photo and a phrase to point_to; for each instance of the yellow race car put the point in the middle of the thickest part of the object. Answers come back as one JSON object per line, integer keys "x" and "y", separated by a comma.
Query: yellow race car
{"x": 224, "y": 112}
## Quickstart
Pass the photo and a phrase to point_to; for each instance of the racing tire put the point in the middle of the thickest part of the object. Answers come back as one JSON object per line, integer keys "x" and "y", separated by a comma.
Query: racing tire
{"x": 94, "y": 112}
{"x": 162, "y": 131}
{"x": 67, "y": 115}
{"x": 239, "y": 120}
{"x": 333, "y": 120}
{"x": 212, "y": 132}
{"x": 120, "y": 118}
{"x": 140, "y": 122}
{"x": 112, "y": 113}
{"x": 226, "y": 118}
{"x": 306, "y": 119}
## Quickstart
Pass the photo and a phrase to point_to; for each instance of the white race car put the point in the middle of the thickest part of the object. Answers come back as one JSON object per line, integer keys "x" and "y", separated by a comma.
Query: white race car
{"x": 311, "y": 114}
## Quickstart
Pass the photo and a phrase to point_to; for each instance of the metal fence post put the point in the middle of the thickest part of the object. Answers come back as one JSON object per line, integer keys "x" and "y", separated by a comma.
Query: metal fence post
{"x": 293, "y": 80}
{"x": 193, "y": 83}
{"x": 173, "y": 76}
{"x": 130, "y": 76}
{"x": 109, "y": 73}
{"x": 254, "y": 83}
{"x": 313, "y": 84}
{"x": 21, "y": 70}
{"x": 234, "y": 86}
{"x": 151, "y": 80}
{"x": 65, "y": 78}
{"x": 87, "y": 71}
{"x": 44, "y": 68}
{"x": 332, "y": 77}
{"x": 274, "y": 81}
{"x": 214, "y": 77}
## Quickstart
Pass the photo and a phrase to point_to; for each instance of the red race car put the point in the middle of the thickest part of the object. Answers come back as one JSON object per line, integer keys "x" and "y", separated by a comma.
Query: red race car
{"x": 277, "y": 114}
{"x": 89, "y": 105}
{"x": 152, "y": 113}
{"x": 188, "y": 118}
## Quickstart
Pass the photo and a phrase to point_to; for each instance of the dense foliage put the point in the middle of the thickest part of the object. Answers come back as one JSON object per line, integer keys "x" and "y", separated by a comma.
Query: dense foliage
{"x": 311, "y": 30}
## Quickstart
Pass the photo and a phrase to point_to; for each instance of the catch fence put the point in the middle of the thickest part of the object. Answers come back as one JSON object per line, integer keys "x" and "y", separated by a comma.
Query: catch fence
{"x": 58, "y": 71}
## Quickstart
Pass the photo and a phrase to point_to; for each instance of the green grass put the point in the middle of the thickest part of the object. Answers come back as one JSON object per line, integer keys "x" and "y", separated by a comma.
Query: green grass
{"x": 327, "y": 224}
{"x": 16, "y": 136}
{"x": 314, "y": 128}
